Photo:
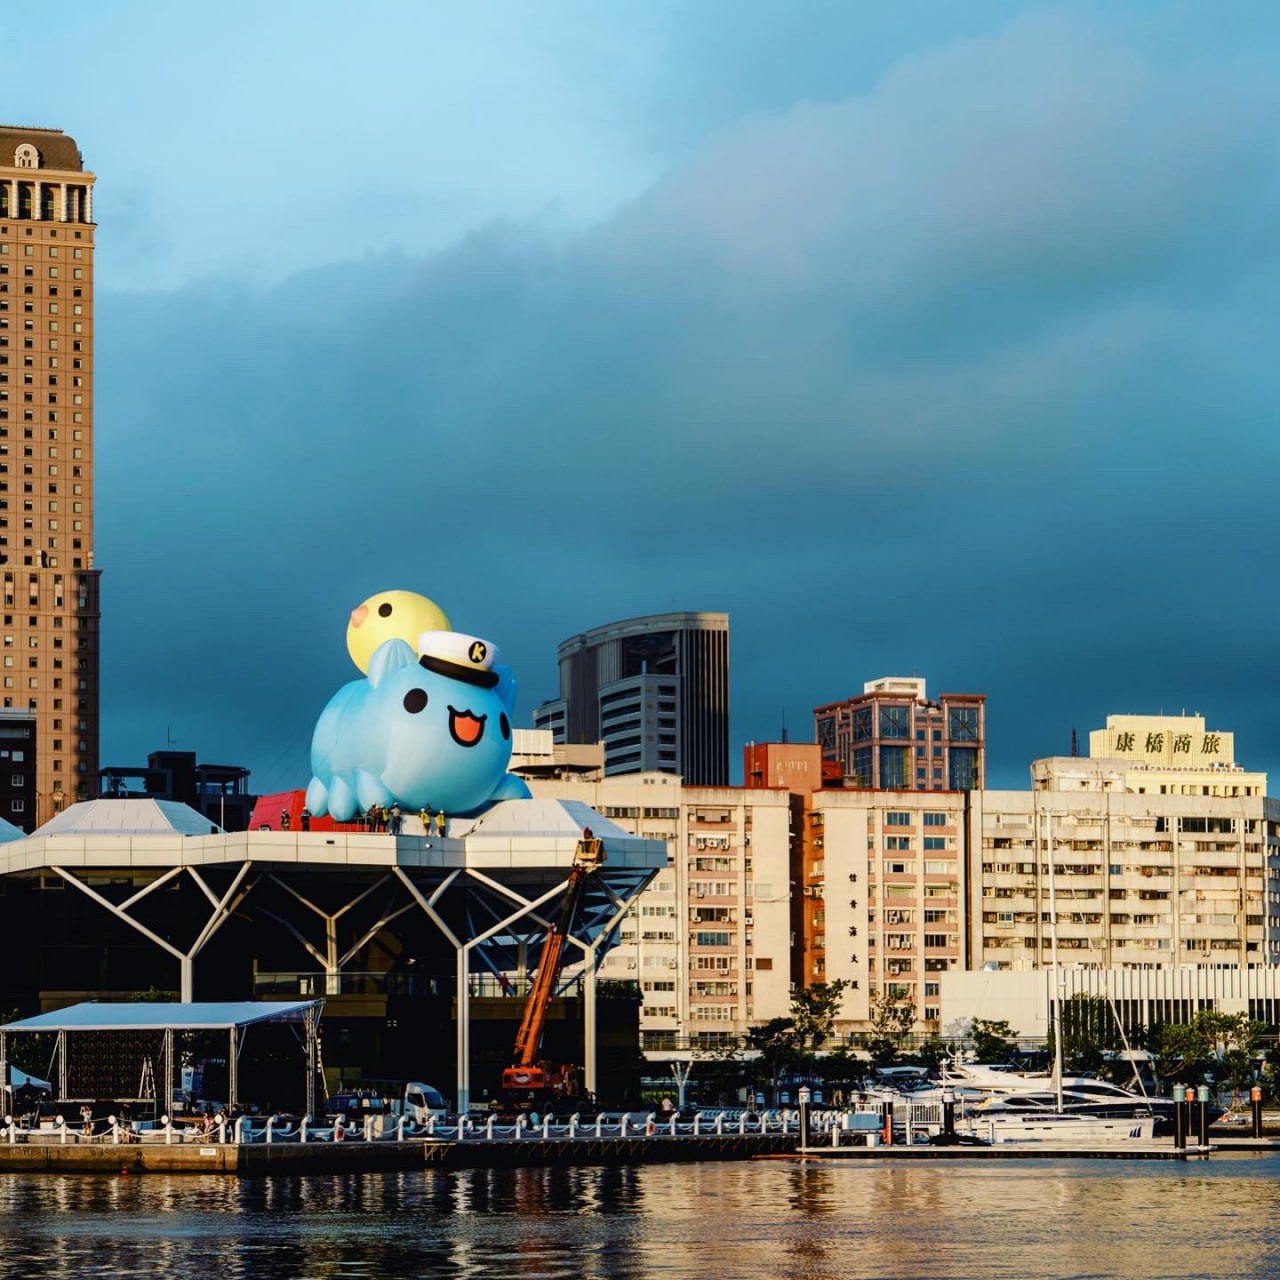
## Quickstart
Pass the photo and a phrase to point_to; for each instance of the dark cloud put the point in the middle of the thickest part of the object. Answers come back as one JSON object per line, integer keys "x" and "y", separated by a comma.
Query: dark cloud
{"x": 965, "y": 376}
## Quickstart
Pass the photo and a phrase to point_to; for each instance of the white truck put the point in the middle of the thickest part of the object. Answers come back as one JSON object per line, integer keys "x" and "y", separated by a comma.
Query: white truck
{"x": 421, "y": 1102}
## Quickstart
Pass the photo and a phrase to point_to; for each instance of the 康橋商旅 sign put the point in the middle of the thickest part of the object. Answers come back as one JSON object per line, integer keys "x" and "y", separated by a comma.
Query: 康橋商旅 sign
{"x": 1172, "y": 748}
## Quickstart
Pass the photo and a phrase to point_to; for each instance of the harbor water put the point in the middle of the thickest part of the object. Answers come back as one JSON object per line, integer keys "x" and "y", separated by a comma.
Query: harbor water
{"x": 763, "y": 1218}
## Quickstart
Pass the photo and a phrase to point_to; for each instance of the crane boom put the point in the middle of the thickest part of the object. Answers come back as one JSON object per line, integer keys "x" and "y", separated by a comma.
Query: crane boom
{"x": 586, "y": 859}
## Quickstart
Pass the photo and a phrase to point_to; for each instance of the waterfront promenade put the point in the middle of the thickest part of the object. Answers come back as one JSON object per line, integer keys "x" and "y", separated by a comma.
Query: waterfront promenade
{"x": 256, "y": 1147}
{"x": 266, "y": 1147}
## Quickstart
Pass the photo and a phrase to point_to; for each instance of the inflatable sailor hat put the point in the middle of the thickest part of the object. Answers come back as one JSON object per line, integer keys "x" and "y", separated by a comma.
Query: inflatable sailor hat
{"x": 458, "y": 656}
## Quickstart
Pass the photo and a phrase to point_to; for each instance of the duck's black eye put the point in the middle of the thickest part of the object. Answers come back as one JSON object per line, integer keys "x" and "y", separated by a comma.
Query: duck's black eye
{"x": 384, "y": 611}
{"x": 415, "y": 700}
{"x": 505, "y": 725}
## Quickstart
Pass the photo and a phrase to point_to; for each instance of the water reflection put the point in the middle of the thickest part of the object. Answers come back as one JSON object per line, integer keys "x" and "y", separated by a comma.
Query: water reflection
{"x": 775, "y": 1219}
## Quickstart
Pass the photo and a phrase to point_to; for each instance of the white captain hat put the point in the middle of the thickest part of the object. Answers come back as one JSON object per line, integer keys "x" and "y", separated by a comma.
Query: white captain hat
{"x": 458, "y": 656}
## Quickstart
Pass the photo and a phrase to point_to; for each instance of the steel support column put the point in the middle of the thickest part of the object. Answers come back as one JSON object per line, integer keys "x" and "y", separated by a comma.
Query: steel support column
{"x": 463, "y": 1012}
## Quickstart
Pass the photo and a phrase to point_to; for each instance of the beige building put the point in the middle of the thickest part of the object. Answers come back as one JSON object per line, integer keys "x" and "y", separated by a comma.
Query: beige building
{"x": 1162, "y": 852}
{"x": 51, "y": 613}
{"x": 709, "y": 941}
{"x": 882, "y": 897}
{"x": 1172, "y": 755}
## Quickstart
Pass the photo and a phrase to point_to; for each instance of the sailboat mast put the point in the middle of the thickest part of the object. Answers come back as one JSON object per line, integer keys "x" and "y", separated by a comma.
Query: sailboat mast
{"x": 1053, "y": 964}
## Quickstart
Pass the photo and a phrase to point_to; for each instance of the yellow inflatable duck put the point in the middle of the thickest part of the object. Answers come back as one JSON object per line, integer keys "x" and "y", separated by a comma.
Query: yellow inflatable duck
{"x": 391, "y": 615}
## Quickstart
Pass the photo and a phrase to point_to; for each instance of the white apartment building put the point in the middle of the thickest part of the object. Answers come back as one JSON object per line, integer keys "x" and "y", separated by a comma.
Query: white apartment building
{"x": 710, "y": 940}
{"x": 883, "y": 897}
{"x": 1155, "y": 863}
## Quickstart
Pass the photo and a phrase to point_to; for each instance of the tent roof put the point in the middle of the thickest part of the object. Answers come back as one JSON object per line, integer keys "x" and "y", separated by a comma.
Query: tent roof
{"x": 539, "y": 817}
{"x": 9, "y": 832}
{"x": 116, "y": 817}
{"x": 93, "y": 1015}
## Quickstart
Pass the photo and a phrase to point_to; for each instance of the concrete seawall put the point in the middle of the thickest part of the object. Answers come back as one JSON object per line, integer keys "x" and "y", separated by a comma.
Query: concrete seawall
{"x": 261, "y": 1159}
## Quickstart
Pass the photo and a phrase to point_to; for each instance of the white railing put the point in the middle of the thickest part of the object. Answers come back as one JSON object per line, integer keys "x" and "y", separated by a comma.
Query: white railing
{"x": 263, "y": 1130}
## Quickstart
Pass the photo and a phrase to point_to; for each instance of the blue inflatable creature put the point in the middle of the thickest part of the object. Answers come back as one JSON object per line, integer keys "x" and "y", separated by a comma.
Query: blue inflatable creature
{"x": 430, "y": 730}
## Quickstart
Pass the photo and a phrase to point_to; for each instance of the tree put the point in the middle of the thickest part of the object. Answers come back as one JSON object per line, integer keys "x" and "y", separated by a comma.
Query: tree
{"x": 813, "y": 1011}
{"x": 932, "y": 1053}
{"x": 721, "y": 1072}
{"x": 1212, "y": 1045}
{"x": 776, "y": 1044}
{"x": 891, "y": 1021}
{"x": 990, "y": 1041}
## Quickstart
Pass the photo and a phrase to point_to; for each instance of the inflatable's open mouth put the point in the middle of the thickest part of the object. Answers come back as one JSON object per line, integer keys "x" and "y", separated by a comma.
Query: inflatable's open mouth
{"x": 465, "y": 728}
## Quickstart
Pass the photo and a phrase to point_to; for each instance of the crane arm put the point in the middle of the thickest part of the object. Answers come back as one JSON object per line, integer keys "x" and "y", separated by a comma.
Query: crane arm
{"x": 589, "y": 855}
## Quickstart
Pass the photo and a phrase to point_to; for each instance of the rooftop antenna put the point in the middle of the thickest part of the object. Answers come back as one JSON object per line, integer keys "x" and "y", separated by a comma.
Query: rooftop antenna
{"x": 784, "y": 726}
{"x": 1075, "y": 745}
{"x": 169, "y": 740}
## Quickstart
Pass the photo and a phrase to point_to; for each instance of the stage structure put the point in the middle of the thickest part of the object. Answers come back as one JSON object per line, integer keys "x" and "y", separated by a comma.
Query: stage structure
{"x": 472, "y": 904}
{"x": 139, "y": 1039}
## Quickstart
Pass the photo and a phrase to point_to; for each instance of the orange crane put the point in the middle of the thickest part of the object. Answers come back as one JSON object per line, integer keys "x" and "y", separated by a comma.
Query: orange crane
{"x": 528, "y": 1080}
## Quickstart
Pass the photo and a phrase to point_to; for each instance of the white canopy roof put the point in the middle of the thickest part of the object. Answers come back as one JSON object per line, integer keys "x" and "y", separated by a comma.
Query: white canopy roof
{"x": 133, "y": 817}
{"x": 94, "y": 1015}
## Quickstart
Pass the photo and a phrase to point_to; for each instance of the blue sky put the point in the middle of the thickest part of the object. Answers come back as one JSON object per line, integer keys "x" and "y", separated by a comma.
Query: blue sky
{"x": 921, "y": 338}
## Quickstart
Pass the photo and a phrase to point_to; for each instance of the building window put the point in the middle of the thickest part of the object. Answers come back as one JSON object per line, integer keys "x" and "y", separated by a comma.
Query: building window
{"x": 895, "y": 722}
{"x": 962, "y": 724}
{"x": 861, "y": 724}
{"x": 895, "y": 768}
{"x": 964, "y": 769}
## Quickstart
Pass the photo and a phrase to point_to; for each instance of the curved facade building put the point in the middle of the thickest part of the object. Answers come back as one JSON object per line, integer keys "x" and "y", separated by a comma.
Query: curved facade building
{"x": 653, "y": 690}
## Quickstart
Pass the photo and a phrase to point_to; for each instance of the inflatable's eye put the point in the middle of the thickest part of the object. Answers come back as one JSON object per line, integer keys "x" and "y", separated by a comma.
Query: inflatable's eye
{"x": 415, "y": 700}
{"x": 384, "y": 611}
{"x": 505, "y": 725}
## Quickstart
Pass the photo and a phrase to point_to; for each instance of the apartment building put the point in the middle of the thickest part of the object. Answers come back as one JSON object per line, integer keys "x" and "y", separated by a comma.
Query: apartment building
{"x": 709, "y": 941}
{"x": 1153, "y": 863}
{"x": 881, "y": 896}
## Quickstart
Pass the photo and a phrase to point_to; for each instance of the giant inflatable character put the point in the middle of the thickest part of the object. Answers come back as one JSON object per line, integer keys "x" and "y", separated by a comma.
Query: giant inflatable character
{"x": 426, "y": 730}
{"x": 400, "y": 615}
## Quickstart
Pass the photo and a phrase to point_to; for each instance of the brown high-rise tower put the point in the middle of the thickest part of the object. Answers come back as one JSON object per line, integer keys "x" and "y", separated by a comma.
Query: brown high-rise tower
{"x": 51, "y": 613}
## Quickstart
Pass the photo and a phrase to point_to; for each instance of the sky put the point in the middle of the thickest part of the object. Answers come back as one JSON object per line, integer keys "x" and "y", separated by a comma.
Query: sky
{"x": 922, "y": 339}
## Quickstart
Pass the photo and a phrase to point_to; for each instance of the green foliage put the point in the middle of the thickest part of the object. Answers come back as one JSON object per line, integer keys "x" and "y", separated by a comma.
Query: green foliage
{"x": 990, "y": 1041}
{"x": 719, "y": 1073}
{"x": 1212, "y": 1044}
{"x": 813, "y": 1011}
{"x": 891, "y": 1023}
{"x": 932, "y": 1054}
{"x": 839, "y": 1070}
{"x": 777, "y": 1043}
{"x": 153, "y": 995}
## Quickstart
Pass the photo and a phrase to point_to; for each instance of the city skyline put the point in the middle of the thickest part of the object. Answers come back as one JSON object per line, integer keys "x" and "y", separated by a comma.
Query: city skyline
{"x": 926, "y": 344}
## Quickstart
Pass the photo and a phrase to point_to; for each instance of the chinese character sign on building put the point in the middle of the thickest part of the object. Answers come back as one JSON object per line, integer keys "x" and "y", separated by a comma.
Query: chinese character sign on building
{"x": 1169, "y": 741}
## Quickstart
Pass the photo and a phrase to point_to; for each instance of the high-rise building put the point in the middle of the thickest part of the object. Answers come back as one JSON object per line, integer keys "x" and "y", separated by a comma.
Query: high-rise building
{"x": 892, "y": 738}
{"x": 882, "y": 898}
{"x": 654, "y": 691}
{"x": 51, "y": 612}
{"x": 709, "y": 941}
